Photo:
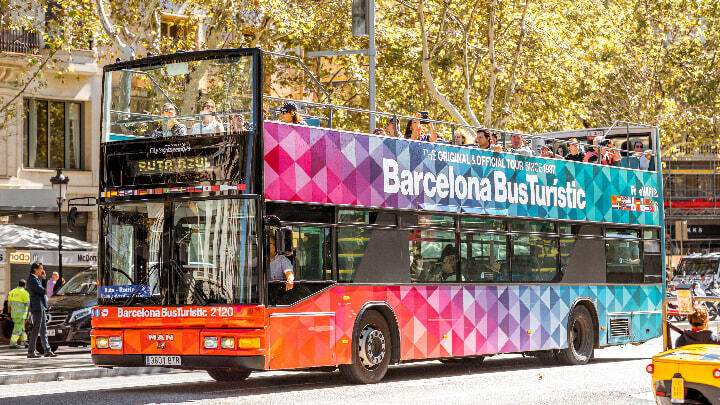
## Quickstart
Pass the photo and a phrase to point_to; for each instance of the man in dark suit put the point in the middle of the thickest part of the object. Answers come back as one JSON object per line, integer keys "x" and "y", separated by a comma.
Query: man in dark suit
{"x": 38, "y": 306}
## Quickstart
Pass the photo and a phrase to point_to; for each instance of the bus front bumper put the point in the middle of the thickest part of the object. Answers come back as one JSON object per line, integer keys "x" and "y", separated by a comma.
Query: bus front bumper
{"x": 186, "y": 362}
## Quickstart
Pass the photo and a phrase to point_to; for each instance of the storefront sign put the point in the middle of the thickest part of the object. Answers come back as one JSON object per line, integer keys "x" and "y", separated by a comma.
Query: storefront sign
{"x": 20, "y": 257}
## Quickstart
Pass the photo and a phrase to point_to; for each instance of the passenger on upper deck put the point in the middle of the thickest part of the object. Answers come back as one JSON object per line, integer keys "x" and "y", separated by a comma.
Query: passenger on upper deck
{"x": 575, "y": 153}
{"x": 379, "y": 131}
{"x": 546, "y": 151}
{"x": 610, "y": 157}
{"x": 518, "y": 145}
{"x": 172, "y": 126}
{"x": 392, "y": 128}
{"x": 593, "y": 155}
{"x": 484, "y": 140}
{"x": 289, "y": 114}
{"x": 458, "y": 139}
{"x": 699, "y": 333}
{"x": 644, "y": 156}
{"x": 415, "y": 130}
{"x": 209, "y": 123}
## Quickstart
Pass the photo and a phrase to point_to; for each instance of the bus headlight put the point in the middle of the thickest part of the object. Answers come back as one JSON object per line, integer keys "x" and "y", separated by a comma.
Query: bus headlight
{"x": 115, "y": 342}
{"x": 101, "y": 342}
{"x": 211, "y": 342}
{"x": 227, "y": 342}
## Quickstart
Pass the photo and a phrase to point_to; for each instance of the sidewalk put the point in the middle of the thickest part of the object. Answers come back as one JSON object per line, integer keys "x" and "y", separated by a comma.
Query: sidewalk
{"x": 71, "y": 364}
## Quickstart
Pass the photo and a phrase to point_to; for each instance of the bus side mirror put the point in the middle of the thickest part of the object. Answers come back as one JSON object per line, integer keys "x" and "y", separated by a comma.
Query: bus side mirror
{"x": 284, "y": 241}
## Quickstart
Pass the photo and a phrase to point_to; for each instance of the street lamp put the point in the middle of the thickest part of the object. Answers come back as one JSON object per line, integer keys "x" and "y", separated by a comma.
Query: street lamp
{"x": 59, "y": 184}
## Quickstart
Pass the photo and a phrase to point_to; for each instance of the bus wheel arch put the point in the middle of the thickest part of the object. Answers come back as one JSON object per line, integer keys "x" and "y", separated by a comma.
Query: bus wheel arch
{"x": 582, "y": 335}
{"x": 389, "y": 314}
{"x": 370, "y": 355}
{"x": 590, "y": 305}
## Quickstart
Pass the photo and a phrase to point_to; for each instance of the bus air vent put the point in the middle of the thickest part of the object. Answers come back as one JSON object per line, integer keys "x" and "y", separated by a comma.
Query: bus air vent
{"x": 619, "y": 327}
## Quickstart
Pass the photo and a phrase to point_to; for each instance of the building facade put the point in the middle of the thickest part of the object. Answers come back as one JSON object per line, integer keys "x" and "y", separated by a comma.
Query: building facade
{"x": 52, "y": 124}
{"x": 692, "y": 202}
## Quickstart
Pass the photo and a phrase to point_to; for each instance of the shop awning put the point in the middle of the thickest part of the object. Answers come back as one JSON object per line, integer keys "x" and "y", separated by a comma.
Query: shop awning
{"x": 22, "y": 237}
{"x": 27, "y": 200}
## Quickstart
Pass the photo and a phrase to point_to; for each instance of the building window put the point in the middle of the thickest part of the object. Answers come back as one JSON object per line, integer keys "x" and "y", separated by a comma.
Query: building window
{"x": 52, "y": 134}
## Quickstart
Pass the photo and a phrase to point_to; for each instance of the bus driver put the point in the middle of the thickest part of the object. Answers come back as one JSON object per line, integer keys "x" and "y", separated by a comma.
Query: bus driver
{"x": 280, "y": 267}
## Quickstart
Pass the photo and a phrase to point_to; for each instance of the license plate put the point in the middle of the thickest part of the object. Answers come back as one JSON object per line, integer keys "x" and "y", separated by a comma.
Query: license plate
{"x": 51, "y": 332}
{"x": 162, "y": 360}
{"x": 678, "y": 390}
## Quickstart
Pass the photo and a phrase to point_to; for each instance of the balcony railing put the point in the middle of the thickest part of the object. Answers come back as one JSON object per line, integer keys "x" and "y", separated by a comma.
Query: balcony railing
{"x": 19, "y": 41}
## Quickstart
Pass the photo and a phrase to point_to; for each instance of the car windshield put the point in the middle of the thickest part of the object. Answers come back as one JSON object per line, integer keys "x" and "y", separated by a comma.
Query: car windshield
{"x": 84, "y": 283}
{"x": 698, "y": 267}
{"x": 183, "y": 253}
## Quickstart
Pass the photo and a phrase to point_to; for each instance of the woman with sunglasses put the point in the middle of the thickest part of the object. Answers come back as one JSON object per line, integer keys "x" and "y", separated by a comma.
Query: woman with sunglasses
{"x": 169, "y": 127}
{"x": 209, "y": 123}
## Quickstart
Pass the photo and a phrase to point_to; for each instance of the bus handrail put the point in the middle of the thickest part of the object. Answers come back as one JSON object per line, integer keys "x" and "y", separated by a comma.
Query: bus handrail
{"x": 305, "y": 68}
{"x": 453, "y": 125}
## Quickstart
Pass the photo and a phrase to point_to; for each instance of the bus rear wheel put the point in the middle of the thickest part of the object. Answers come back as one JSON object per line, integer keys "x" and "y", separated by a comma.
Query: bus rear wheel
{"x": 371, "y": 350}
{"x": 228, "y": 374}
{"x": 581, "y": 341}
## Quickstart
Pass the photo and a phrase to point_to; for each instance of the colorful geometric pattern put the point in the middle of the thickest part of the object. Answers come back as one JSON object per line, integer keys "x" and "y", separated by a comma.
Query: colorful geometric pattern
{"x": 173, "y": 190}
{"x": 453, "y": 320}
{"x": 633, "y": 204}
{"x": 312, "y": 164}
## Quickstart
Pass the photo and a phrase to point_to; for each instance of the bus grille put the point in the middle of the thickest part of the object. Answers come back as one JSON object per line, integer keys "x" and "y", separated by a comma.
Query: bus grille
{"x": 619, "y": 327}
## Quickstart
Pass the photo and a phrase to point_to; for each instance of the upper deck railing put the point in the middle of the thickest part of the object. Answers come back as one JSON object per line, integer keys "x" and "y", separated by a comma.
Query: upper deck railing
{"x": 449, "y": 129}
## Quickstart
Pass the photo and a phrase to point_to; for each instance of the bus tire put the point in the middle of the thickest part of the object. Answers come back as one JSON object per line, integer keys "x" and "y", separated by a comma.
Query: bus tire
{"x": 228, "y": 374}
{"x": 581, "y": 340}
{"x": 371, "y": 350}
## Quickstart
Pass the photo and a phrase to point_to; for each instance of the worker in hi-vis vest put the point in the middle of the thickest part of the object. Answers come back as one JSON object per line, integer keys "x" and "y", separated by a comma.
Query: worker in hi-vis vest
{"x": 18, "y": 304}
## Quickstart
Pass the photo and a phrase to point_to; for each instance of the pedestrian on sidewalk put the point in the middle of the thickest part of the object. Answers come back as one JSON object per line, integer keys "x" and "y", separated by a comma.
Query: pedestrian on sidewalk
{"x": 38, "y": 306}
{"x": 18, "y": 304}
{"x": 51, "y": 284}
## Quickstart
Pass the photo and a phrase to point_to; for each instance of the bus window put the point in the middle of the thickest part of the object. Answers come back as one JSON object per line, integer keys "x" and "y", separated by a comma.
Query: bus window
{"x": 311, "y": 259}
{"x": 527, "y": 226}
{"x": 367, "y": 255}
{"x": 367, "y": 217}
{"x": 436, "y": 221}
{"x": 534, "y": 258}
{"x": 433, "y": 256}
{"x": 623, "y": 261}
{"x": 484, "y": 257}
{"x": 482, "y": 224}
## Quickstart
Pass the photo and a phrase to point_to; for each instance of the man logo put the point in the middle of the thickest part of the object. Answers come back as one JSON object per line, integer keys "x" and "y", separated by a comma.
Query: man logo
{"x": 160, "y": 337}
{"x": 161, "y": 345}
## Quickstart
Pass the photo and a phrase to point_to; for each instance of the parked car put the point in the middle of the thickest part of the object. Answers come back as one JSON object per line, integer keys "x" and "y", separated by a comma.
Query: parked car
{"x": 69, "y": 311}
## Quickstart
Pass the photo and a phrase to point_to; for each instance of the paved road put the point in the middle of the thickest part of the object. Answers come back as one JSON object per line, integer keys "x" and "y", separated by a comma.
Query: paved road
{"x": 616, "y": 376}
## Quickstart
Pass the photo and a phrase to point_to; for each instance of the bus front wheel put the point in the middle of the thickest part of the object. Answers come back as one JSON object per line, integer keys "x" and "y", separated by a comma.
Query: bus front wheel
{"x": 581, "y": 341}
{"x": 228, "y": 374}
{"x": 371, "y": 350}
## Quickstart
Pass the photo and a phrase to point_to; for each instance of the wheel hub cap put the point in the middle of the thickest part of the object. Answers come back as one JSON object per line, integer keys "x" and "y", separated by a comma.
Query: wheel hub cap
{"x": 371, "y": 347}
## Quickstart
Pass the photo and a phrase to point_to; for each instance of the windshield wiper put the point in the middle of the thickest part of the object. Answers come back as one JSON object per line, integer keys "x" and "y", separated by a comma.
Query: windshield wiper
{"x": 139, "y": 286}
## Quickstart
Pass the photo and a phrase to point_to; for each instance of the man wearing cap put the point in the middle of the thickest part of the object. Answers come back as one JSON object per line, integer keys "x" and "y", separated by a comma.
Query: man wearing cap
{"x": 575, "y": 153}
{"x": 289, "y": 114}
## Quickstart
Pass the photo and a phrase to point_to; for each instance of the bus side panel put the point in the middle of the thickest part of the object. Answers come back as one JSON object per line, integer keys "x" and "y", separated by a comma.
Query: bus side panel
{"x": 301, "y": 340}
{"x": 436, "y": 321}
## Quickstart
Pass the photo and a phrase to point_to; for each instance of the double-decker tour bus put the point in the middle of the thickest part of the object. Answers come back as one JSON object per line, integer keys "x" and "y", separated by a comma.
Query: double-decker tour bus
{"x": 232, "y": 243}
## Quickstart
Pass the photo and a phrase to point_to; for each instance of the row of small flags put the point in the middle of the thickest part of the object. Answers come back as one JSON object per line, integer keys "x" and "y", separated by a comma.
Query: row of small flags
{"x": 174, "y": 190}
{"x": 637, "y": 204}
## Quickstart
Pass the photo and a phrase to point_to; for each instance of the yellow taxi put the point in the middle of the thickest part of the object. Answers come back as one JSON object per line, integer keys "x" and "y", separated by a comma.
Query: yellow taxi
{"x": 687, "y": 375}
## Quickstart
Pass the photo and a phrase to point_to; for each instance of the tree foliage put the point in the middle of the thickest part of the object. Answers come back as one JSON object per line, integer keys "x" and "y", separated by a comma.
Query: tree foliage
{"x": 523, "y": 65}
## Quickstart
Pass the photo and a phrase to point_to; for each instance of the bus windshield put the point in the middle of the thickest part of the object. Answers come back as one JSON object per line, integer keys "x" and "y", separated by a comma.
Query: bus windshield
{"x": 196, "y": 97}
{"x": 181, "y": 253}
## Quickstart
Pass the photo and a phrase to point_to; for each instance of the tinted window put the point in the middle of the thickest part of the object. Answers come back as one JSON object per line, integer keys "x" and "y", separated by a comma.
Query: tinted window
{"x": 621, "y": 233}
{"x": 482, "y": 224}
{"x": 526, "y": 226}
{"x": 436, "y": 221}
{"x": 623, "y": 261}
{"x": 433, "y": 256}
{"x": 534, "y": 258}
{"x": 312, "y": 258}
{"x": 484, "y": 257}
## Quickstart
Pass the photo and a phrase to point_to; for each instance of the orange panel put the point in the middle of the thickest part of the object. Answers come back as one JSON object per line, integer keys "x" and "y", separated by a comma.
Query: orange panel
{"x": 161, "y": 341}
{"x": 222, "y": 316}
{"x": 236, "y": 334}
{"x": 302, "y": 340}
